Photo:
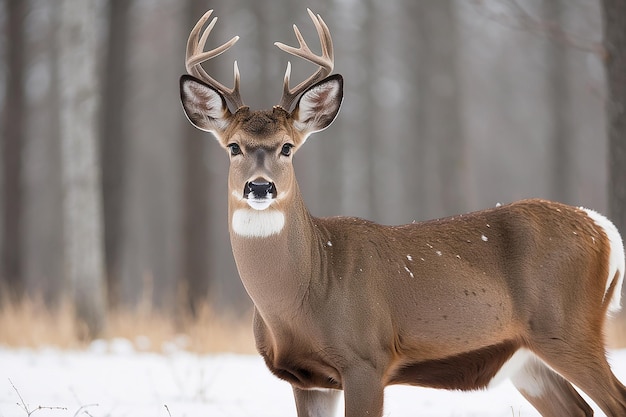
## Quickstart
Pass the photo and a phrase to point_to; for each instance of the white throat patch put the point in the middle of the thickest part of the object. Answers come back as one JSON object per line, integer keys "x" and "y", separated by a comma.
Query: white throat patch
{"x": 257, "y": 223}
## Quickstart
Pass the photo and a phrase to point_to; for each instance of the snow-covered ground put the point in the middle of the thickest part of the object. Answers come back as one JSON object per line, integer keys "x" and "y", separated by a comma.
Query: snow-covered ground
{"x": 114, "y": 380}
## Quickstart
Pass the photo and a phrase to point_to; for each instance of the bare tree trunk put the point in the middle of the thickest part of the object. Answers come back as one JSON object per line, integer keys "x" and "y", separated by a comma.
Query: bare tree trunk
{"x": 342, "y": 172}
{"x": 197, "y": 189}
{"x": 83, "y": 236}
{"x": 42, "y": 225}
{"x": 438, "y": 113}
{"x": 445, "y": 114}
{"x": 615, "y": 44}
{"x": 561, "y": 142}
{"x": 369, "y": 107}
{"x": 12, "y": 142}
{"x": 196, "y": 239}
{"x": 113, "y": 140}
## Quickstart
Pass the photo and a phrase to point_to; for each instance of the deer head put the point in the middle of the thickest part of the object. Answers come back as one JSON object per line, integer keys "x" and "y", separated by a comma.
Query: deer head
{"x": 261, "y": 144}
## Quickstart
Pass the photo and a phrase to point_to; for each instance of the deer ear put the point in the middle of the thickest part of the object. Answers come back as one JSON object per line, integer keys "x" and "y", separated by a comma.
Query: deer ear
{"x": 204, "y": 106}
{"x": 318, "y": 106}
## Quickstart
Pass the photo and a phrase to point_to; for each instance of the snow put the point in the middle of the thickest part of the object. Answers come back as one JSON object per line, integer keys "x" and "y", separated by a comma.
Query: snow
{"x": 113, "y": 379}
{"x": 409, "y": 271}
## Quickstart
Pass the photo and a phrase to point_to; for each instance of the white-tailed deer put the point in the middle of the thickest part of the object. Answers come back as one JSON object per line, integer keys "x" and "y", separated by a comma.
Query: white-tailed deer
{"x": 519, "y": 291}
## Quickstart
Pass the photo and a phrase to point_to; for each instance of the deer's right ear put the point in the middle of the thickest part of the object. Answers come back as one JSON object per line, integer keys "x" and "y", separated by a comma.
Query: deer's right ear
{"x": 204, "y": 106}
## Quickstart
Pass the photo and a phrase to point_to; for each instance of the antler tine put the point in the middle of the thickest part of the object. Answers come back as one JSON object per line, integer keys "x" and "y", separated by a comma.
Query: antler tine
{"x": 324, "y": 61}
{"x": 196, "y": 55}
{"x": 328, "y": 42}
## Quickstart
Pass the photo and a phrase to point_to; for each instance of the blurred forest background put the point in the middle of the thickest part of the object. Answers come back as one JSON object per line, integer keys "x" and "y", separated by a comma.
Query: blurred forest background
{"x": 111, "y": 199}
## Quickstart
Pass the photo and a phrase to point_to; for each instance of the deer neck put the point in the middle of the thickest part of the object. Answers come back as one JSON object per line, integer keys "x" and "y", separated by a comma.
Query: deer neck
{"x": 275, "y": 251}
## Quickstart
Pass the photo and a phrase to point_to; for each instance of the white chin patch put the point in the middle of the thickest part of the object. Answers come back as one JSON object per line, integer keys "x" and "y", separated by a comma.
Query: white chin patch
{"x": 259, "y": 204}
{"x": 257, "y": 222}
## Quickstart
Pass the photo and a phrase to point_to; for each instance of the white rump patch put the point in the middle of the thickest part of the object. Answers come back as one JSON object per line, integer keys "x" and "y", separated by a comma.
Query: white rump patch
{"x": 257, "y": 223}
{"x": 616, "y": 257}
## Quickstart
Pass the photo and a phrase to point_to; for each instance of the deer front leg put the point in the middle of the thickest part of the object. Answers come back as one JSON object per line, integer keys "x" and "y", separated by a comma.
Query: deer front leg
{"x": 363, "y": 392}
{"x": 316, "y": 403}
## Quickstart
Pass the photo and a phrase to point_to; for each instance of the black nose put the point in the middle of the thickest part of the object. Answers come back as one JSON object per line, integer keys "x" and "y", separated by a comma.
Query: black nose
{"x": 259, "y": 189}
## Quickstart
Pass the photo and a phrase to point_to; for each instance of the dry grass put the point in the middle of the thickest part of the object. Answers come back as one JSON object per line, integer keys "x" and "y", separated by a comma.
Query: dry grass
{"x": 208, "y": 332}
{"x": 30, "y": 324}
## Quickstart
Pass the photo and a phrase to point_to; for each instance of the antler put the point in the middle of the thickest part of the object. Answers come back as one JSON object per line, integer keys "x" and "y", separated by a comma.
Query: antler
{"x": 325, "y": 61}
{"x": 196, "y": 55}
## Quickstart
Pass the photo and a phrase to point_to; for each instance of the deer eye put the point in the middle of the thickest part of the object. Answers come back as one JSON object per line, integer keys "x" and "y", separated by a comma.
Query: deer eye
{"x": 234, "y": 149}
{"x": 286, "y": 150}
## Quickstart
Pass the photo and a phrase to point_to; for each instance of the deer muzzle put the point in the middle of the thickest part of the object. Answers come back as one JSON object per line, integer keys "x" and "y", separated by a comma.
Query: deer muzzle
{"x": 259, "y": 193}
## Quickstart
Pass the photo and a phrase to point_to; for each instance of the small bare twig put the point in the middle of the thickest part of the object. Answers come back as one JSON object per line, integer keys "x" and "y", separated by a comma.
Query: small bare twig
{"x": 518, "y": 18}
{"x": 83, "y": 410}
{"x": 82, "y": 407}
{"x": 22, "y": 404}
{"x": 168, "y": 410}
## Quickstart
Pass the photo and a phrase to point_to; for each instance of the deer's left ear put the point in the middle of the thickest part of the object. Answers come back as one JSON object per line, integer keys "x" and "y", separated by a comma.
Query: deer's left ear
{"x": 318, "y": 106}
